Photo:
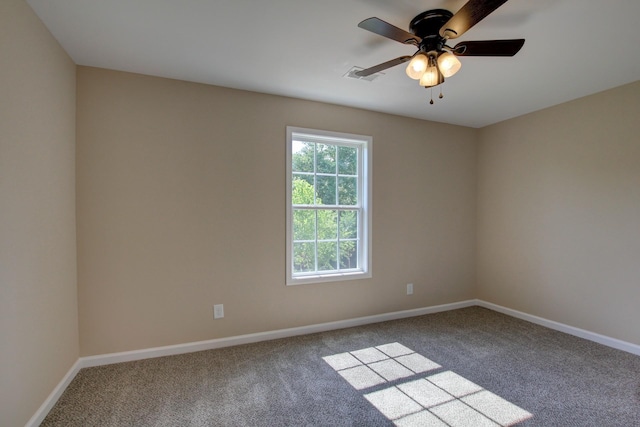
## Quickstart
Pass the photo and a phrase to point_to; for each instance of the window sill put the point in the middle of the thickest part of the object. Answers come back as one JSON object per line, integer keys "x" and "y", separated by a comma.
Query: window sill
{"x": 328, "y": 277}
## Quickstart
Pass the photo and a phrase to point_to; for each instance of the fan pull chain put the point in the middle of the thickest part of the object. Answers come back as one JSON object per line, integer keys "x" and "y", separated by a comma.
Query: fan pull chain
{"x": 439, "y": 96}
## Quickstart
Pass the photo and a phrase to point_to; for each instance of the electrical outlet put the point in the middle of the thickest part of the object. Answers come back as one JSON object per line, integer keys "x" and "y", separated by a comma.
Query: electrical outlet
{"x": 218, "y": 311}
{"x": 409, "y": 288}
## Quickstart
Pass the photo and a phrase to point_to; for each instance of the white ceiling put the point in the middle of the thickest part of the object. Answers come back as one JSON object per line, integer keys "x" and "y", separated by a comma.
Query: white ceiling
{"x": 303, "y": 49}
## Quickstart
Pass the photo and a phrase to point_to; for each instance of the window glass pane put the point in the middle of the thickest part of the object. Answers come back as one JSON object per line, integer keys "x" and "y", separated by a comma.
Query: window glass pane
{"x": 326, "y": 190}
{"x": 327, "y": 255}
{"x": 304, "y": 257}
{"x": 326, "y": 158}
{"x": 347, "y": 160}
{"x": 327, "y": 225}
{"x": 304, "y": 225}
{"x": 347, "y": 191}
{"x": 302, "y": 189}
{"x": 348, "y": 254}
{"x": 302, "y": 156}
{"x": 348, "y": 224}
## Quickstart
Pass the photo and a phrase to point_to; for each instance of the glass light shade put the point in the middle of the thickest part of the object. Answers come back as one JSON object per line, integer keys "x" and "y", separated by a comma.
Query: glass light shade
{"x": 431, "y": 77}
{"x": 448, "y": 64}
{"x": 417, "y": 66}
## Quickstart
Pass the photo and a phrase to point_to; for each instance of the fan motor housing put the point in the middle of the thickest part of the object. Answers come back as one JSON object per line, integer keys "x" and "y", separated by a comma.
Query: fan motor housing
{"x": 427, "y": 26}
{"x": 429, "y": 23}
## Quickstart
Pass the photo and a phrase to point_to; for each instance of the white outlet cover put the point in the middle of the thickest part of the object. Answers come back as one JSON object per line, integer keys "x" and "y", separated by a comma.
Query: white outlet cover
{"x": 218, "y": 311}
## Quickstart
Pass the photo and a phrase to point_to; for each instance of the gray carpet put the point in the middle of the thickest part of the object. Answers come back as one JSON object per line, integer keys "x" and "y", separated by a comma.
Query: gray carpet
{"x": 558, "y": 379}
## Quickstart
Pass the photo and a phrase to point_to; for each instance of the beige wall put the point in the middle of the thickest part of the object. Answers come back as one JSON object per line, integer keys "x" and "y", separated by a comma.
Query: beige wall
{"x": 181, "y": 205}
{"x": 38, "y": 294}
{"x": 559, "y": 213}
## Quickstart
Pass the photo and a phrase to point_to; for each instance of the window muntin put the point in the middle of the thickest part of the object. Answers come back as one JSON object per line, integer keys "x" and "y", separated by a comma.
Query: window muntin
{"x": 328, "y": 206}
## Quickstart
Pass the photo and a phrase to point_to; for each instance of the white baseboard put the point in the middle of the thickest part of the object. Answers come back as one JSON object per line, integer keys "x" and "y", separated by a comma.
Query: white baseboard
{"x": 591, "y": 336}
{"x": 128, "y": 356}
{"x": 53, "y": 397}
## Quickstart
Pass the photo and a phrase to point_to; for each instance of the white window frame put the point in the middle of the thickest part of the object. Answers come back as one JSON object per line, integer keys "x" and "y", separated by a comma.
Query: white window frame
{"x": 364, "y": 144}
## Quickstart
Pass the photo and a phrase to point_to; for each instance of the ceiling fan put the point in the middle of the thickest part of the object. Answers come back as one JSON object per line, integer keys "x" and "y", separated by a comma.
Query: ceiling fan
{"x": 429, "y": 32}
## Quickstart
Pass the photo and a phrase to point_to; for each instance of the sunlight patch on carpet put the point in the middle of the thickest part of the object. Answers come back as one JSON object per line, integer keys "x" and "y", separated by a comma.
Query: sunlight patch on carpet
{"x": 361, "y": 377}
{"x": 391, "y": 370}
{"x": 393, "y": 403}
{"x": 369, "y": 355}
{"x": 442, "y": 399}
{"x": 425, "y": 393}
{"x": 457, "y": 414}
{"x": 371, "y": 366}
{"x": 454, "y": 384}
{"x": 504, "y": 412}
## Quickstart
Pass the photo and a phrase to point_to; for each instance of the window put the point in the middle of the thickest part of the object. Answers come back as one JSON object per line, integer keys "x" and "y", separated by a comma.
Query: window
{"x": 328, "y": 206}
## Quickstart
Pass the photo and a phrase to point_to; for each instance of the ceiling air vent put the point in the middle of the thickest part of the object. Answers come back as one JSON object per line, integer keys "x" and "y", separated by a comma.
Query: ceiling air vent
{"x": 352, "y": 74}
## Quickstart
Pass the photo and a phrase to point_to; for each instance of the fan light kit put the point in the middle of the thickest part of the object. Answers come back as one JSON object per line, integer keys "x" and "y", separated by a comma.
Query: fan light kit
{"x": 429, "y": 32}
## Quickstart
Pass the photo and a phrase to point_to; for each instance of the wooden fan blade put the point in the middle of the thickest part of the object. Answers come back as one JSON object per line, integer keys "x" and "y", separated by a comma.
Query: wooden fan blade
{"x": 488, "y": 48}
{"x": 468, "y": 16}
{"x": 382, "y": 28}
{"x": 383, "y": 66}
